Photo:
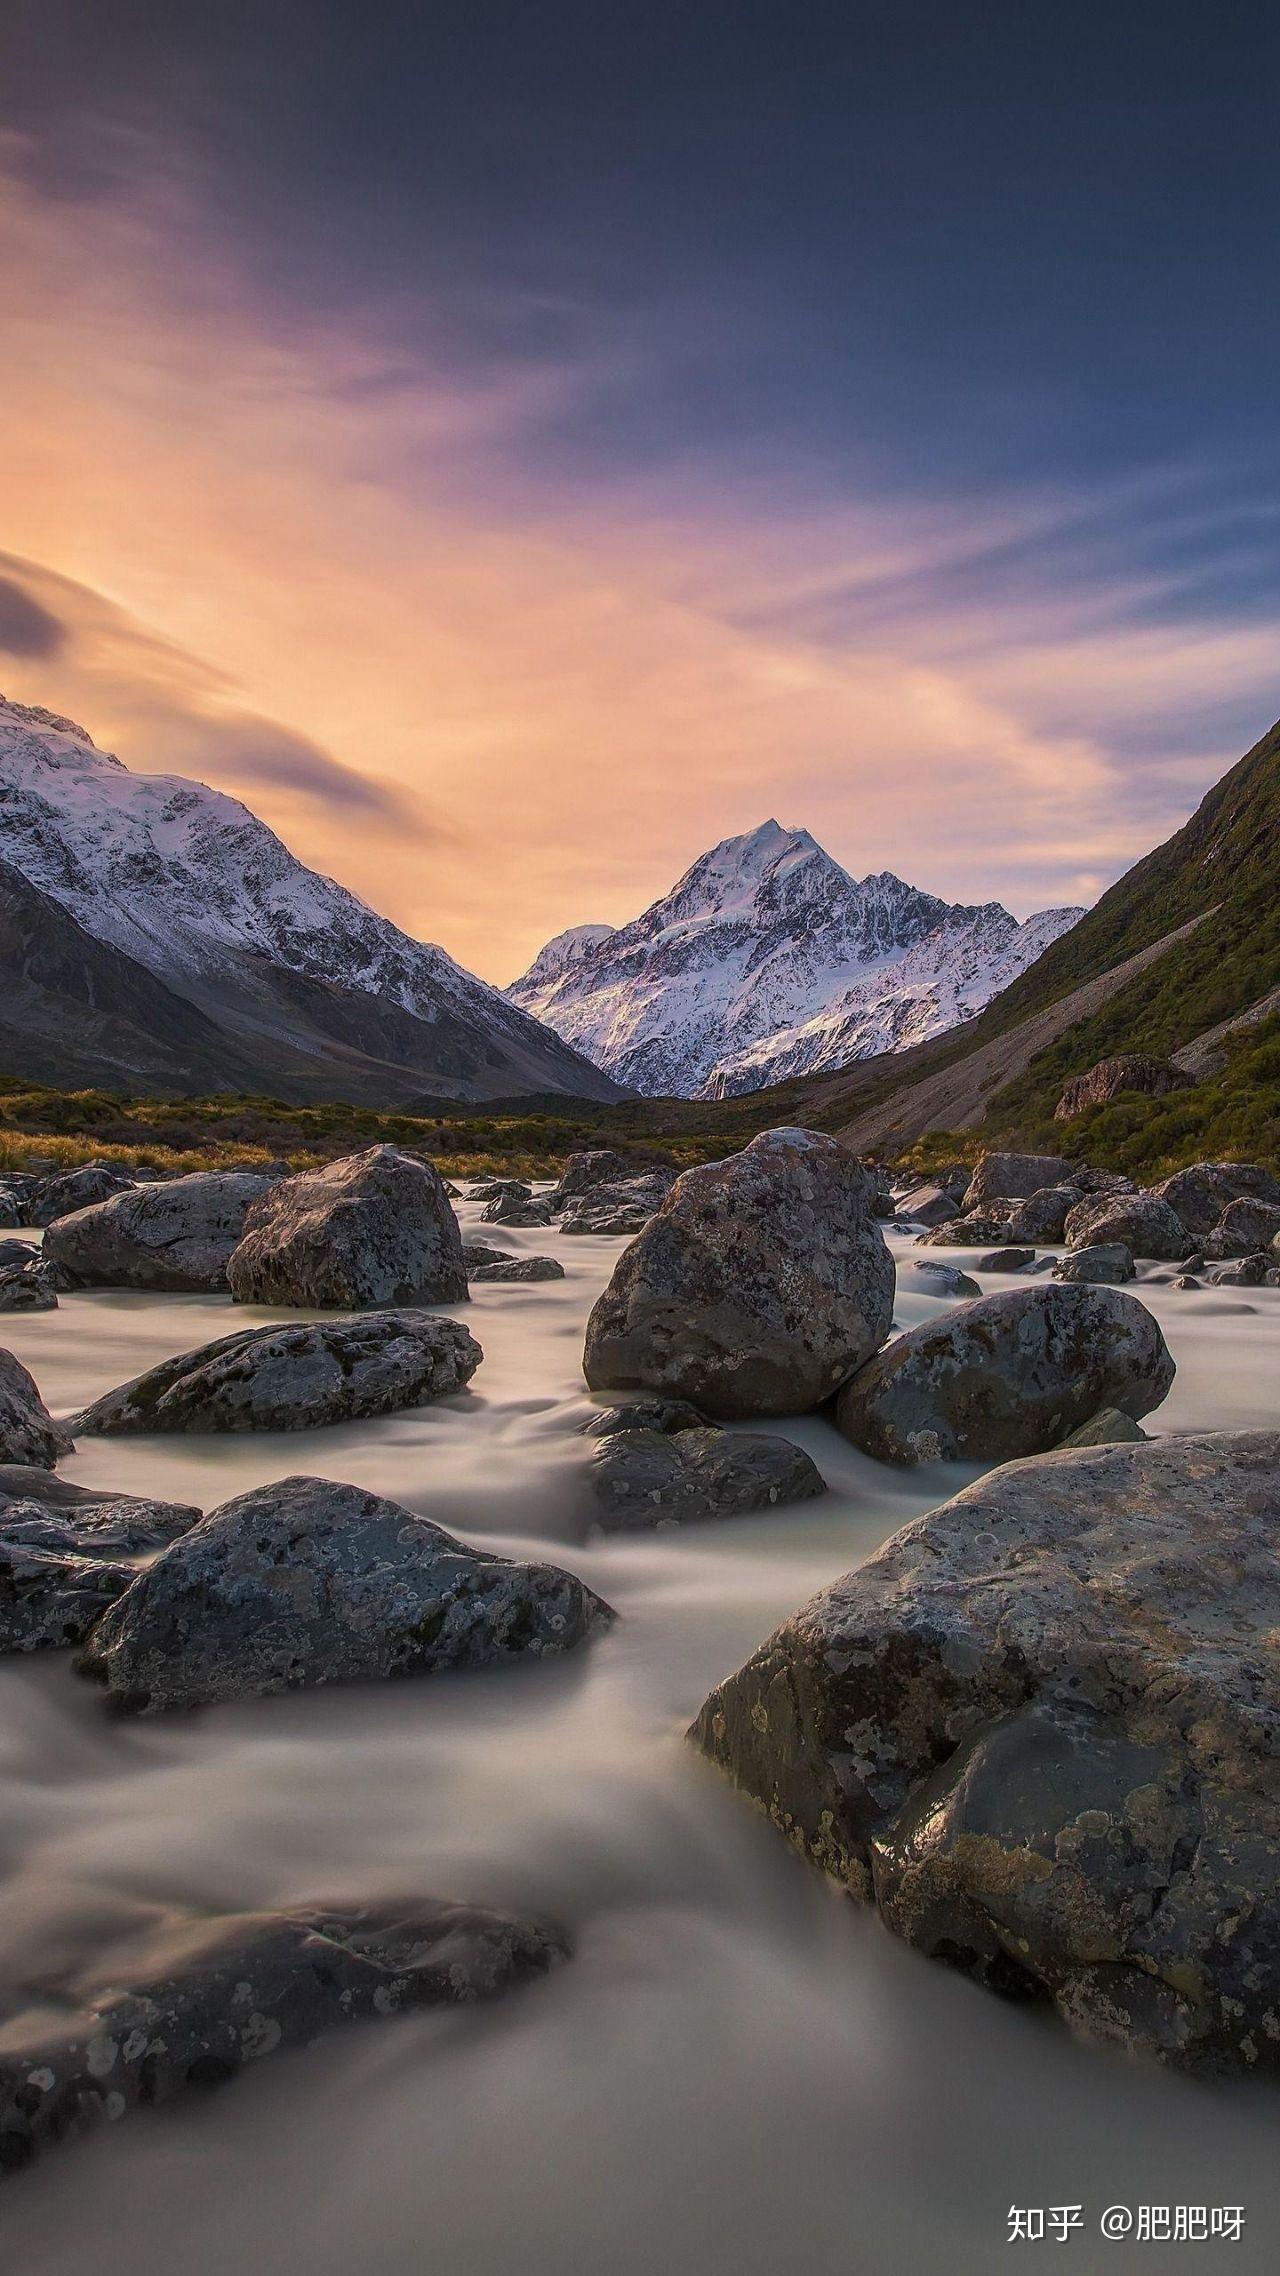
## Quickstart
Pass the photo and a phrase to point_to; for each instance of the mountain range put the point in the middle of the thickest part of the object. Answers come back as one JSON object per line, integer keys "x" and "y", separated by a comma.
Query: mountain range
{"x": 769, "y": 961}
{"x": 157, "y": 937}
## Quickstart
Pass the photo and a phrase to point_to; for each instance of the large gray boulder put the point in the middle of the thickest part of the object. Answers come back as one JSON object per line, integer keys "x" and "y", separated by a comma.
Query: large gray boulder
{"x": 1040, "y": 1731}
{"x": 293, "y": 1377}
{"x": 1245, "y": 1227}
{"x": 642, "y": 1478}
{"x": 373, "y": 1228}
{"x": 761, "y": 1284}
{"x": 66, "y": 1190}
{"x": 305, "y": 1582}
{"x": 927, "y": 1205}
{"x": 1201, "y": 1193}
{"x": 608, "y": 1165}
{"x": 1043, "y": 1215}
{"x": 1013, "y": 1176}
{"x": 1105, "y": 1264}
{"x": 1143, "y": 1221}
{"x": 64, "y": 1557}
{"x": 211, "y": 1995}
{"x": 972, "y": 1232}
{"x": 1008, "y": 1376}
{"x": 622, "y": 1208}
{"x": 175, "y": 1234}
{"x": 28, "y": 1432}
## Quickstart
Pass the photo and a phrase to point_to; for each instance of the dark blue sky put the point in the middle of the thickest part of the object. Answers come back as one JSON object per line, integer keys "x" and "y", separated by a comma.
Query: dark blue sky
{"x": 1011, "y": 264}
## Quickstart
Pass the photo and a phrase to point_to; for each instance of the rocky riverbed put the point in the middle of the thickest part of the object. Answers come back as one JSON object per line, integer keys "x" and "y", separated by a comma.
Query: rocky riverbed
{"x": 735, "y": 2066}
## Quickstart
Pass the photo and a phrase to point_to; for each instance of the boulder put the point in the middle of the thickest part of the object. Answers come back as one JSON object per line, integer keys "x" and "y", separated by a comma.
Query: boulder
{"x": 28, "y": 1289}
{"x": 1143, "y": 1221}
{"x": 519, "y": 1269}
{"x": 623, "y": 1208}
{"x": 28, "y": 1432}
{"x": 63, "y": 1562}
{"x": 1107, "y": 1263}
{"x": 1015, "y": 1176}
{"x": 304, "y": 1582}
{"x": 210, "y": 1995}
{"x": 1244, "y": 1227}
{"x": 646, "y": 1478}
{"x": 11, "y": 1211}
{"x": 372, "y": 1229}
{"x": 494, "y": 1189}
{"x": 928, "y": 1205}
{"x": 667, "y": 1415}
{"x": 608, "y": 1165}
{"x": 15, "y": 1256}
{"x": 965, "y": 1232}
{"x": 68, "y": 1190}
{"x": 475, "y": 1253}
{"x": 761, "y": 1284}
{"x": 1039, "y": 1730}
{"x": 1043, "y": 1215}
{"x": 1107, "y": 1428}
{"x": 1008, "y": 1376}
{"x": 516, "y": 1209}
{"x": 293, "y": 1377}
{"x": 1201, "y": 1193}
{"x": 1005, "y": 1260}
{"x": 1132, "y": 1071}
{"x": 178, "y": 1233}
{"x": 1258, "y": 1271}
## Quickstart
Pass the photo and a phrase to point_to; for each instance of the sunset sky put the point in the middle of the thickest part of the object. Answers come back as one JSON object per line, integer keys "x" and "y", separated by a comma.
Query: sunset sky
{"x": 515, "y": 443}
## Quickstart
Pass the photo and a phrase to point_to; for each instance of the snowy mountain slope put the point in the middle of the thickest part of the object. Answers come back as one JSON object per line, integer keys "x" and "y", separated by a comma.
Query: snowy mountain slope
{"x": 319, "y": 994}
{"x": 768, "y": 960}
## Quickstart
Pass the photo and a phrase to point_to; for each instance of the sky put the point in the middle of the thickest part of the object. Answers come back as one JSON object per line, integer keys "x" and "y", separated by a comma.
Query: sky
{"x": 513, "y": 444}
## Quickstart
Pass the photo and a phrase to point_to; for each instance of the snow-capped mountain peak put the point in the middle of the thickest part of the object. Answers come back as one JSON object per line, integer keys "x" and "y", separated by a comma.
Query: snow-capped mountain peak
{"x": 768, "y": 959}
{"x": 188, "y": 883}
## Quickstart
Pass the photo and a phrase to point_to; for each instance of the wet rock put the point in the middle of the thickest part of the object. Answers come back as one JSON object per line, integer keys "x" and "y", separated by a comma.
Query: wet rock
{"x": 1013, "y": 1176}
{"x": 1107, "y": 1262}
{"x": 513, "y": 1209}
{"x": 1187, "y": 1280}
{"x": 476, "y": 1253}
{"x": 1244, "y": 1227}
{"x": 971, "y": 1232}
{"x": 59, "y": 1195}
{"x": 1142, "y": 1221}
{"x": 928, "y": 1205}
{"x": 1005, "y": 1260}
{"x": 495, "y": 1189}
{"x": 63, "y": 1562}
{"x": 176, "y": 1234}
{"x": 15, "y": 1256}
{"x": 1132, "y": 1071}
{"x": 666, "y": 1415}
{"x": 1247, "y": 1272}
{"x": 937, "y": 1279}
{"x": 645, "y": 1478}
{"x": 374, "y": 1228}
{"x": 293, "y": 1377}
{"x": 1107, "y": 1428}
{"x": 1007, "y": 1376}
{"x": 207, "y": 1997}
{"x": 11, "y": 1211}
{"x": 1040, "y": 1730}
{"x": 28, "y": 1432}
{"x": 1043, "y": 1216}
{"x": 519, "y": 1269}
{"x": 609, "y": 1166}
{"x": 1201, "y": 1193}
{"x": 305, "y": 1582}
{"x": 623, "y": 1208}
{"x": 762, "y": 1283}
{"x": 28, "y": 1289}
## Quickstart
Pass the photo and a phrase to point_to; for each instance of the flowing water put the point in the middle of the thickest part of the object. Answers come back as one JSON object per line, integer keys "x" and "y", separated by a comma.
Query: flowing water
{"x": 739, "y": 2070}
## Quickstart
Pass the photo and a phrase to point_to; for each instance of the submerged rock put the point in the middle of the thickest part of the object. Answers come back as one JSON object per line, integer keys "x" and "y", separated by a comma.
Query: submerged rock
{"x": 294, "y": 1376}
{"x": 175, "y": 1234}
{"x": 761, "y": 1284}
{"x": 305, "y": 1582}
{"x": 28, "y": 1432}
{"x": 645, "y": 1477}
{"x": 374, "y": 1228}
{"x": 1145, "y": 1223}
{"x": 666, "y": 1415}
{"x": 27, "y": 1289}
{"x": 222, "y": 1992}
{"x": 519, "y": 1269}
{"x": 1010, "y": 1375}
{"x": 1040, "y": 1728}
{"x": 937, "y": 1279}
{"x": 1005, "y": 1260}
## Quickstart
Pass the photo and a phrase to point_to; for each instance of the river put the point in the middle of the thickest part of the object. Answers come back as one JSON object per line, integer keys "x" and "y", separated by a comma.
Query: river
{"x": 739, "y": 2071}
